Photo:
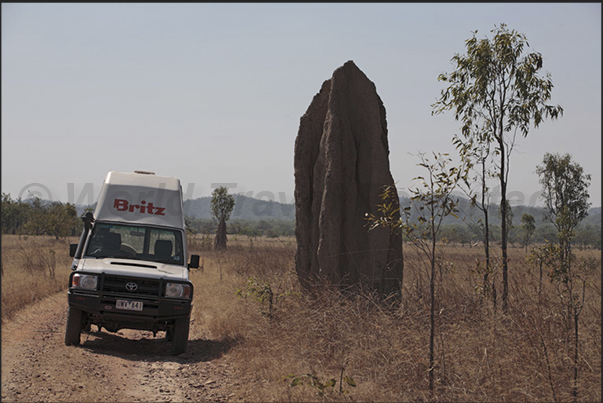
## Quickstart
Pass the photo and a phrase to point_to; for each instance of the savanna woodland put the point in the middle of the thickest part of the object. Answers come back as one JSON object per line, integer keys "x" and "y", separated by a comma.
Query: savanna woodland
{"x": 506, "y": 308}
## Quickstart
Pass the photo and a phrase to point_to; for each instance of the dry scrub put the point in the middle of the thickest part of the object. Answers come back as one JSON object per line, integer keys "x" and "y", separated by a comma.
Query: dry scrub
{"x": 481, "y": 354}
{"x": 33, "y": 267}
{"x": 248, "y": 302}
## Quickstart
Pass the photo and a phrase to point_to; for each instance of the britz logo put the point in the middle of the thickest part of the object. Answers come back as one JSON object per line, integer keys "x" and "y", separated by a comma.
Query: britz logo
{"x": 143, "y": 207}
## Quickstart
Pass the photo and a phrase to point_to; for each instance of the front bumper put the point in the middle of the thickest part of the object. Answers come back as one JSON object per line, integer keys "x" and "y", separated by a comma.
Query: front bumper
{"x": 157, "y": 311}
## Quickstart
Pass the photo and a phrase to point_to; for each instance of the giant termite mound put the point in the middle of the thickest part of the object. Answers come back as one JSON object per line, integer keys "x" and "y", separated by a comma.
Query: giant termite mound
{"x": 341, "y": 163}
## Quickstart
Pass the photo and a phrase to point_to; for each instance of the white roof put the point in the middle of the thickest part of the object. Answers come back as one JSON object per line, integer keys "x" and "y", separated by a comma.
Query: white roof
{"x": 143, "y": 198}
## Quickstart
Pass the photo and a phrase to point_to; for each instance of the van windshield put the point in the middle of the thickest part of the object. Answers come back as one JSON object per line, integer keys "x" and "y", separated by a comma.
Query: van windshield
{"x": 135, "y": 242}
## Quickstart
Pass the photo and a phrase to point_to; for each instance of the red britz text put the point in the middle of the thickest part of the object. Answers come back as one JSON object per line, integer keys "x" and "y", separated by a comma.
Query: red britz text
{"x": 143, "y": 207}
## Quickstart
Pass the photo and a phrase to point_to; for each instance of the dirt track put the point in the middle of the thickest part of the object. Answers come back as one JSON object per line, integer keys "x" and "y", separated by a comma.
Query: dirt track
{"x": 128, "y": 366}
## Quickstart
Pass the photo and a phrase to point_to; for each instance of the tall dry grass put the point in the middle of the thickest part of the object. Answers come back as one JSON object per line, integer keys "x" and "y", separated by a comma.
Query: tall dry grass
{"x": 482, "y": 354}
{"x": 33, "y": 267}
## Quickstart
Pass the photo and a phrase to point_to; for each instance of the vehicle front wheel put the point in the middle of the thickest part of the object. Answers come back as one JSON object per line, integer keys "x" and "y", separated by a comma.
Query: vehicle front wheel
{"x": 180, "y": 336}
{"x": 74, "y": 327}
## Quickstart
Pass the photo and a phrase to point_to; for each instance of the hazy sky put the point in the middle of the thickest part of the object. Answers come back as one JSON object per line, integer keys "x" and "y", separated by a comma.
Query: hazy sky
{"x": 213, "y": 93}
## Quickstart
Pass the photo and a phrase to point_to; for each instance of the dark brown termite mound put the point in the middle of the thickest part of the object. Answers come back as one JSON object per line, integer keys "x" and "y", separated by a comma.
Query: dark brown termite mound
{"x": 341, "y": 165}
{"x": 220, "y": 239}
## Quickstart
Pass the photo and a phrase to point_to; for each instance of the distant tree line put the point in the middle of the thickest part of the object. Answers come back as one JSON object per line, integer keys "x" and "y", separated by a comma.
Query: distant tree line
{"x": 469, "y": 234}
{"x": 38, "y": 217}
{"x": 253, "y": 228}
{"x": 465, "y": 234}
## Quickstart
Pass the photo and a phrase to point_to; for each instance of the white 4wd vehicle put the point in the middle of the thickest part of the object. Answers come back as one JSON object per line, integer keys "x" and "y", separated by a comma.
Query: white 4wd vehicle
{"x": 129, "y": 268}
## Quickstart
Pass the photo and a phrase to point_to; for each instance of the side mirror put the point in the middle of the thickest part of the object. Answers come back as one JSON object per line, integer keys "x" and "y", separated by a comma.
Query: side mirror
{"x": 72, "y": 249}
{"x": 194, "y": 263}
{"x": 88, "y": 219}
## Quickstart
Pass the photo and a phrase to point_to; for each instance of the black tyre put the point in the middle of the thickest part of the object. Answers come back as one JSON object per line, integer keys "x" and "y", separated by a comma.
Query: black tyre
{"x": 180, "y": 336}
{"x": 74, "y": 327}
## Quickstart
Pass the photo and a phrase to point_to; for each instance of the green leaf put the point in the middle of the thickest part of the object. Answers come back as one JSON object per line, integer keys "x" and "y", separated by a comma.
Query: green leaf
{"x": 349, "y": 381}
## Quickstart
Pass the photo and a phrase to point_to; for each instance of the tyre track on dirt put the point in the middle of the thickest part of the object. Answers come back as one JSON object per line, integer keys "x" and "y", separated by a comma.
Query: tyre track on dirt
{"x": 128, "y": 366}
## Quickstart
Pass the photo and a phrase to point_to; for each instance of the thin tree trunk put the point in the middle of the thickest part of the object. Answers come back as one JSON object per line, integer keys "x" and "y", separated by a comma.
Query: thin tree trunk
{"x": 576, "y": 314}
{"x": 486, "y": 232}
{"x": 503, "y": 211}
{"x": 575, "y": 387}
{"x": 432, "y": 308}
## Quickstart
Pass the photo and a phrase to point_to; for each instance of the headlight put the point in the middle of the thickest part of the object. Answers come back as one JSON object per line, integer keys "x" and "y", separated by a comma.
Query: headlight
{"x": 177, "y": 290}
{"x": 84, "y": 281}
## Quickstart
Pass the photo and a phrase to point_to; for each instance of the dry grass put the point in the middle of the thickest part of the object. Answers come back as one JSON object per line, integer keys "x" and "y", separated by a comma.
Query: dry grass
{"x": 481, "y": 354}
{"x": 33, "y": 267}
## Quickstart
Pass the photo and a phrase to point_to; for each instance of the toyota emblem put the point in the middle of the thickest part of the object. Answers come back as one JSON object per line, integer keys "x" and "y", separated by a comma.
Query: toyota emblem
{"x": 131, "y": 286}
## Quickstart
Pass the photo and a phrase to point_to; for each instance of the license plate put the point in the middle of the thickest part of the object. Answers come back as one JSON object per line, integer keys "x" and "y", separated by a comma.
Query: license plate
{"x": 128, "y": 305}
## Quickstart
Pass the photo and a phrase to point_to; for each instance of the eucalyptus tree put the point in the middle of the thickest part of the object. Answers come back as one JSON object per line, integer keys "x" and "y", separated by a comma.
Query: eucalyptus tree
{"x": 528, "y": 224}
{"x": 222, "y": 204}
{"x": 496, "y": 91}
{"x": 565, "y": 191}
{"x": 434, "y": 201}
{"x": 14, "y": 214}
{"x": 476, "y": 153}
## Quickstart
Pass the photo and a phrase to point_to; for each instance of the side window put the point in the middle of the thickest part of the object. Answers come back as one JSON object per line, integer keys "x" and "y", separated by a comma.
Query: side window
{"x": 98, "y": 238}
{"x": 111, "y": 241}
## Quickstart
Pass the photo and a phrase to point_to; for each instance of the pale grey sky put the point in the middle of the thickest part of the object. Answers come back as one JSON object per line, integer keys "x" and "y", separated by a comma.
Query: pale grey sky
{"x": 213, "y": 93}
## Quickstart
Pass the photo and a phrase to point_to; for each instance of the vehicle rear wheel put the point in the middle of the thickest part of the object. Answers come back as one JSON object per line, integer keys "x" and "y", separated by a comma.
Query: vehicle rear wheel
{"x": 73, "y": 328}
{"x": 180, "y": 336}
